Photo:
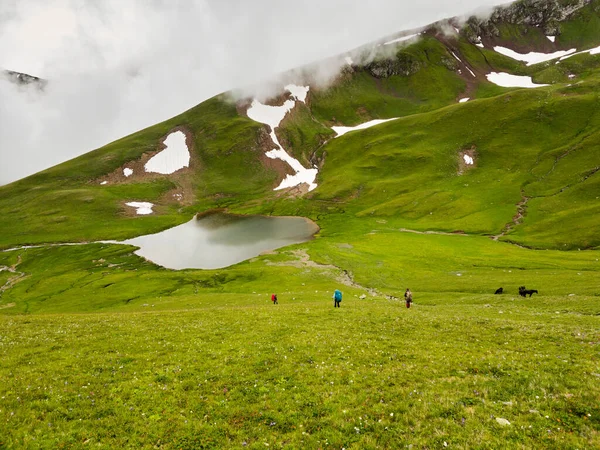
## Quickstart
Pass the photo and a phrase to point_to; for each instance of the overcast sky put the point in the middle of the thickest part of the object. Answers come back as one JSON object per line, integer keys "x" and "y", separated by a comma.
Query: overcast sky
{"x": 116, "y": 66}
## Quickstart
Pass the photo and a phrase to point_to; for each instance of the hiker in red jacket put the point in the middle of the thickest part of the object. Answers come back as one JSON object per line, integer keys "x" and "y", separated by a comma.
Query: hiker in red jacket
{"x": 408, "y": 297}
{"x": 274, "y": 299}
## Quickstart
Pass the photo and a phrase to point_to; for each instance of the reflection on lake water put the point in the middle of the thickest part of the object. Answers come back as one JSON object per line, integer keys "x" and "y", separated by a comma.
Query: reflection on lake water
{"x": 220, "y": 240}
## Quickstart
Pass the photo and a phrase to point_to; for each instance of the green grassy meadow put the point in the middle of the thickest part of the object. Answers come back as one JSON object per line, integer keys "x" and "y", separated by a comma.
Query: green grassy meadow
{"x": 136, "y": 356}
{"x": 234, "y": 371}
{"x": 100, "y": 348}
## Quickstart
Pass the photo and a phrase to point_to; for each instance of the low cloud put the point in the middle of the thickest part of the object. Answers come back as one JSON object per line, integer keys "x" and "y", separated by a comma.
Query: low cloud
{"x": 115, "y": 67}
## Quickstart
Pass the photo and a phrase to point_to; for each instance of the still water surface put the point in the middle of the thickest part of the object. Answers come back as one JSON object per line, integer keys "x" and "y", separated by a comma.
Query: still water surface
{"x": 221, "y": 240}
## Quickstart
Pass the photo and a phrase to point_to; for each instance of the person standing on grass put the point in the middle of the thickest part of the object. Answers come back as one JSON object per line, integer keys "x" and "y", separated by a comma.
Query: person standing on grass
{"x": 408, "y": 297}
{"x": 337, "y": 298}
{"x": 274, "y": 299}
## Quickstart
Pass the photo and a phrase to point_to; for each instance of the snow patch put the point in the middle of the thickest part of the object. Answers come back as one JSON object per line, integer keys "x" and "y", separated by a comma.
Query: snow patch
{"x": 551, "y": 38}
{"x": 457, "y": 30}
{"x": 104, "y": 182}
{"x": 507, "y": 80}
{"x": 464, "y": 100}
{"x": 299, "y": 92}
{"x": 480, "y": 45}
{"x": 143, "y": 208}
{"x": 348, "y": 60}
{"x": 591, "y": 51}
{"x": 468, "y": 160}
{"x": 174, "y": 157}
{"x": 459, "y": 60}
{"x": 272, "y": 116}
{"x": 127, "y": 171}
{"x": 533, "y": 57}
{"x": 401, "y": 39}
{"x": 343, "y": 130}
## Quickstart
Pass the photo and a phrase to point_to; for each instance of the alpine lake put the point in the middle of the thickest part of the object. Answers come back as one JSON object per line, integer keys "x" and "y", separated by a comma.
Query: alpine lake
{"x": 217, "y": 240}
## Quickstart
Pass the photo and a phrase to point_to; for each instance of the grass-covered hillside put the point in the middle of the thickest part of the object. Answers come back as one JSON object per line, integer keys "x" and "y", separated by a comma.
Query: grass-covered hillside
{"x": 453, "y": 198}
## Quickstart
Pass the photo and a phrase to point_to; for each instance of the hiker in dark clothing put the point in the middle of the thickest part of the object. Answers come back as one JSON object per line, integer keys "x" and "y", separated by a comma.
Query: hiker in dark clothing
{"x": 274, "y": 299}
{"x": 337, "y": 298}
{"x": 408, "y": 297}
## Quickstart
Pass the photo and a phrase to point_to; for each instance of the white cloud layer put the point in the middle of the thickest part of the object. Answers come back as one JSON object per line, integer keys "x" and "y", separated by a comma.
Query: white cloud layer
{"x": 117, "y": 66}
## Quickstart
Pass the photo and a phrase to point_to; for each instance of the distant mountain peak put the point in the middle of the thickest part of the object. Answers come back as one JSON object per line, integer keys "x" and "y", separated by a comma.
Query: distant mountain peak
{"x": 23, "y": 79}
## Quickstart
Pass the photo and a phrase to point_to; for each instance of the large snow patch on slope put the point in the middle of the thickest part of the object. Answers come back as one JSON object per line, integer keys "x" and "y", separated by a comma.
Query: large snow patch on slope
{"x": 507, "y": 80}
{"x": 175, "y": 156}
{"x": 533, "y": 57}
{"x": 343, "y": 130}
{"x": 272, "y": 116}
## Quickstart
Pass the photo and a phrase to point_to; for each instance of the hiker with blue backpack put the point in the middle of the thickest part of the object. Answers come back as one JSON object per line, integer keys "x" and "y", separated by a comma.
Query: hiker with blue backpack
{"x": 337, "y": 298}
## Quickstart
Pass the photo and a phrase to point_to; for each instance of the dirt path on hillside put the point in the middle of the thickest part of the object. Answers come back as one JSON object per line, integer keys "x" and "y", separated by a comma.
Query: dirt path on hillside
{"x": 517, "y": 218}
{"x": 57, "y": 244}
{"x": 441, "y": 233}
{"x": 18, "y": 276}
{"x": 342, "y": 276}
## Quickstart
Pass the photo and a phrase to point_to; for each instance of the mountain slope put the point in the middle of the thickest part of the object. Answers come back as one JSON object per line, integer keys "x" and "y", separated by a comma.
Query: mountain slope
{"x": 425, "y": 75}
{"x": 533, "y": 152}
{"x": 469, "y": 187}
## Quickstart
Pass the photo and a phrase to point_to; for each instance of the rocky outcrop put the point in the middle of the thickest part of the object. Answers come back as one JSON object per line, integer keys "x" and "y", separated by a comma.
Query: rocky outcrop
{"x": 402, "y": 64}
{"x": 545, "y": 14}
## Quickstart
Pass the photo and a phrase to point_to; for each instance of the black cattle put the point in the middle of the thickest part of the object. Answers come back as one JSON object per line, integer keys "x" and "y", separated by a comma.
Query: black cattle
{"x": 523, "y": 292}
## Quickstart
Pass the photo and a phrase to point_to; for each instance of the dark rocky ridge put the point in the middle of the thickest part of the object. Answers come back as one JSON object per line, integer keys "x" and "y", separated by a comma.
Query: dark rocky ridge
{"x": 545, "y": 14}
{"x": 23, "y": 79}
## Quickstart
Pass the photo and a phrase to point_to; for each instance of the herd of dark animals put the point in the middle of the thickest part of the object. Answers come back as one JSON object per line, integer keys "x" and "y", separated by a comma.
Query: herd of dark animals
{"x": 523, "y": 292}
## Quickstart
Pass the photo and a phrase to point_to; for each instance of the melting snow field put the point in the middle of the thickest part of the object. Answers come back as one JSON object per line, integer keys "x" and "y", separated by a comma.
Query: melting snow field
{"x": 464, "y": 100}
{"x": 507, "y": 80}
{"x": 459, "y": 60}
{"x": 272, "y": 116}
{"x": 551, "y": 38}
{"x": 299, "y": 92}
{"x": 468, "y": 160}
{"x": 127, "y": 171}
{"x": 401, "y": 39}
{"x": 343, "y": 130}
{"x": 591, "y": 51}
{"x": 533, "y": 57}
{"x": 176, "y": 156}
{"x": 143, "y": 208}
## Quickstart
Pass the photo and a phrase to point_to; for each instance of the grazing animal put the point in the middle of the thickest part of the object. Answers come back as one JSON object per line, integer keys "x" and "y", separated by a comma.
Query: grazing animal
{"x": 523, "y": 292}
{"x": 499, "y": 291}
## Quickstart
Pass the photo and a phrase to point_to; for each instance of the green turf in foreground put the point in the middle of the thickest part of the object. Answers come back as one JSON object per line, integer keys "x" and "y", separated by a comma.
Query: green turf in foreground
{"x": 303, "y": 375}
